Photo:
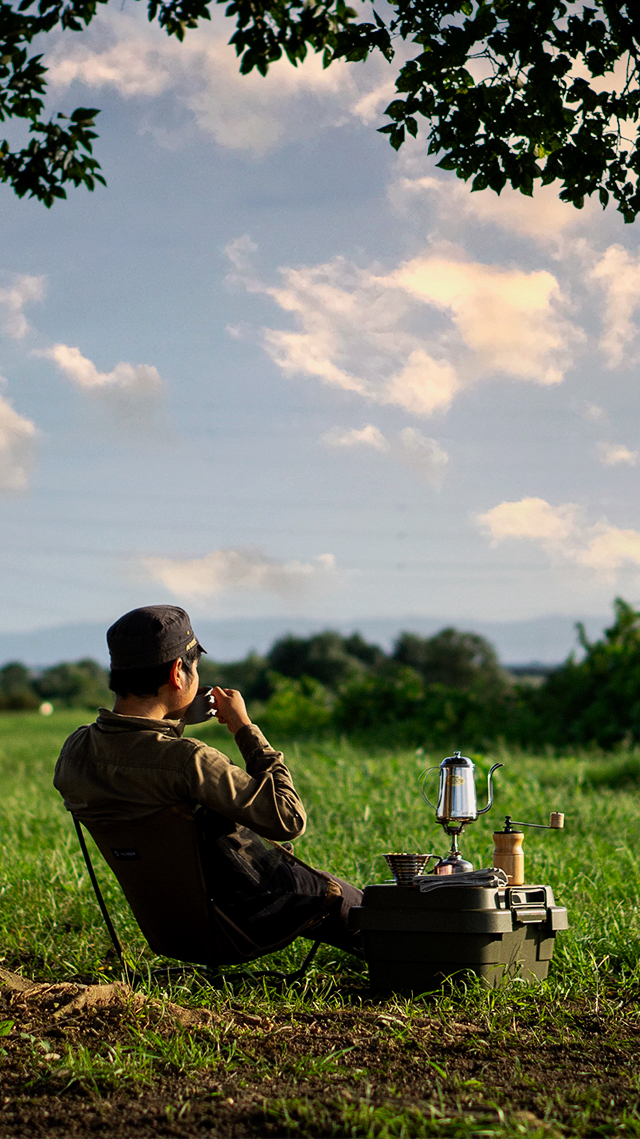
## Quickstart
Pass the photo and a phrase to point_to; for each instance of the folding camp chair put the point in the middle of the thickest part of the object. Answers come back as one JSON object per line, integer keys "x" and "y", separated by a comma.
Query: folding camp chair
{"x": 158, "y": 863}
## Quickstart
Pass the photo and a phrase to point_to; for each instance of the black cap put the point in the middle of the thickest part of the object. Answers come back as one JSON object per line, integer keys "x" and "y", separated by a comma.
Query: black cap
{"x": 150, "y": 636}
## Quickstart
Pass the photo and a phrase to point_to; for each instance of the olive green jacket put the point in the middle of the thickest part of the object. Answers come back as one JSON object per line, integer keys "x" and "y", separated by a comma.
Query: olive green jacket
{"x": 127, "y": 767}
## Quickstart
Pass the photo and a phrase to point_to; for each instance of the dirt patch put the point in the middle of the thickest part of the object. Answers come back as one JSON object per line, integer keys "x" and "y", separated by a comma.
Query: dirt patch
{"x": 64, "y": 1001}
{"x": 82, "y": 1060}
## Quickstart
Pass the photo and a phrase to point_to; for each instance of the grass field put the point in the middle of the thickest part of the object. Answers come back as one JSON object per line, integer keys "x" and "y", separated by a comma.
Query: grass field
{"x": 323, "y": 1058}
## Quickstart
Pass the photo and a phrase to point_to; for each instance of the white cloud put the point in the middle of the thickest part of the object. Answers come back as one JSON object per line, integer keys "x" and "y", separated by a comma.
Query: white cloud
{"x": 351, "y": 335}
{"x": 530, "y": 518}
{"x": 131, "y": 394}
{"x": 370, "y": 107}
{"x": 224, "y": 571}
{"x": 367, "y": 436}
{"x": 380, "y": 335}
{"x": 17, "y": 439}
{"x": 510, "y": 320}
{"x": 240, "y": 253}
{"x": 559, "y": 530}
{"x": 593, "y": 413}
{"x": 612, "y": 454}
{"x": 610, "y": 548}
{"x": 137, "y": 59}
{"x": 543, "y": 218}
{"x": 134, "y": 65}
{"x": 410, "y": 446}
{"x": 423, "y": 454}
{"x": 618, "y": 273}
{"x": 142, "y": 378}
{"x": 424, "y": 385}
{"x": 13, "y": 299}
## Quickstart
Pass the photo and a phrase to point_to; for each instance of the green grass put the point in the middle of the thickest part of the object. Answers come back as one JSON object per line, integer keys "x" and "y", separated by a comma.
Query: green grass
{"x": 360, "y": 805}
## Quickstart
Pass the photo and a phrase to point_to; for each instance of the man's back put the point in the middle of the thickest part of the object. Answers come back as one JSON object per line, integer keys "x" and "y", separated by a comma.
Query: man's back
{"x": 127, "y": 767}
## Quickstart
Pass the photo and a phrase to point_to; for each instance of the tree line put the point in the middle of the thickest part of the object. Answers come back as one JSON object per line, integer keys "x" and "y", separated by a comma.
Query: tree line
{"x": 448, "y": 690}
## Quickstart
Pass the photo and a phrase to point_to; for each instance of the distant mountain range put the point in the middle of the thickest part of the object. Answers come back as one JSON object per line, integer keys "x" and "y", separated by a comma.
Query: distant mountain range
{"x": 542, "y": 640}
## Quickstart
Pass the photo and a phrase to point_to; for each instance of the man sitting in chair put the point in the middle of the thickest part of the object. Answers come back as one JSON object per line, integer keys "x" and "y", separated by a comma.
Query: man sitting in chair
{"x": 184, "y": 828}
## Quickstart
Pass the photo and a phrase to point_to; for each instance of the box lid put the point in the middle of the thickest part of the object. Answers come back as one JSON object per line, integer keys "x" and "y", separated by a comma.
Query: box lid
{"x": 389, "y": 896}
{"x": 458, "y": 909}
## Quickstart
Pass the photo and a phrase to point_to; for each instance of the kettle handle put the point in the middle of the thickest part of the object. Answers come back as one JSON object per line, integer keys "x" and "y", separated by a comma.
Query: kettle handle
{"x": 490, "y": 788}
{"x": 422, "y": 779}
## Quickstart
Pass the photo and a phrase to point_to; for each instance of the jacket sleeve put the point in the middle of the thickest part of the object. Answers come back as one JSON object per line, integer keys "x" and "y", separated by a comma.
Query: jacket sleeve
{"x": 262, "y": 798}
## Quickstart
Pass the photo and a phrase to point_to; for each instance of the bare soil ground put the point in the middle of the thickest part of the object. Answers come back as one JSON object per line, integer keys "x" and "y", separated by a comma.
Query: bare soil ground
{"x": 100, "y": 1059}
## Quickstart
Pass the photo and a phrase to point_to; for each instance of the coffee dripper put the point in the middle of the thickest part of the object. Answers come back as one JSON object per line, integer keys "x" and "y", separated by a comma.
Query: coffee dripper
{"x": 457, "y": 804}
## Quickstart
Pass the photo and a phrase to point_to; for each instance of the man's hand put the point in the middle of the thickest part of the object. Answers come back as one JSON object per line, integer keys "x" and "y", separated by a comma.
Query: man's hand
{"x": 230, "y": 708}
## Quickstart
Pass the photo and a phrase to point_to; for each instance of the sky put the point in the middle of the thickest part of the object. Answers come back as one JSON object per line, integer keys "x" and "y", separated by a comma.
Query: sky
{"x": 277, "y": 369}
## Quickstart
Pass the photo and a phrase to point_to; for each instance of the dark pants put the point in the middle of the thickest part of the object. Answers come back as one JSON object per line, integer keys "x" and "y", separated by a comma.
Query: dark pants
{"x": 270, "y": 897}
{"x": 333, "y": 929}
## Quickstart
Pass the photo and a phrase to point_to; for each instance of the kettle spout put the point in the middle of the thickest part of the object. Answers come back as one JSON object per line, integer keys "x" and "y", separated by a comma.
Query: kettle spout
{"x": 490, "y": 788}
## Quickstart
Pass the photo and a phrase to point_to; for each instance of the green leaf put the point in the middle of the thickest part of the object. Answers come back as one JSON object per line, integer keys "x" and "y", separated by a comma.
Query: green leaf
{"x": 84, "y": 114}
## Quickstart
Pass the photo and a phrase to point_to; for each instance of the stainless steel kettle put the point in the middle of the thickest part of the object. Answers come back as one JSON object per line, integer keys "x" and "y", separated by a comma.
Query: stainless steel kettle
{"x": 457, "y": 802}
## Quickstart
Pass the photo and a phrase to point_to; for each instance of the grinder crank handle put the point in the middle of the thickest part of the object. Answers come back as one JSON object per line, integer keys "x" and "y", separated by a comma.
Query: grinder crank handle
{"x": 556, "y": 823}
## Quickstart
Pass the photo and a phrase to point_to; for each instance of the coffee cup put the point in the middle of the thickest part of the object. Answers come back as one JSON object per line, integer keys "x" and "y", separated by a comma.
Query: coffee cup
{"x": 202, "y": 707}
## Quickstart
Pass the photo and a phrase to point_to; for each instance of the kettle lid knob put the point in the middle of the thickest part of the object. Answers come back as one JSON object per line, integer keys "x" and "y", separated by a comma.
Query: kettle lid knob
{"x": 457, "y": 760}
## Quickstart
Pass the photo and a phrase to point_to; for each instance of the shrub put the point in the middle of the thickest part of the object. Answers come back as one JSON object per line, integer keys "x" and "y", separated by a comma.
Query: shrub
{"x": 327, "y": 657}
{"x": 296, "y": 707}
{"x": 452, "y": 658}
{"x": 16, "y": 688}
{"x": 84, "y": 684}
{"x": 394, "y": 706}
{"x": 597, "y": 699}
{"x": 250, "y": 675}
{"x": 390, "y": 697}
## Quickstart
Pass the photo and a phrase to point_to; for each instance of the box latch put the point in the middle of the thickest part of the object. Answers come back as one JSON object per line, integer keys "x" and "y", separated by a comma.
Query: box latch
{"x": 529, "y": 915}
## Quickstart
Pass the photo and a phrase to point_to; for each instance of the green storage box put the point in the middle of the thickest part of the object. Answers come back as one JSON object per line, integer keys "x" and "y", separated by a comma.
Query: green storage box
{"x": 412, "y": 941}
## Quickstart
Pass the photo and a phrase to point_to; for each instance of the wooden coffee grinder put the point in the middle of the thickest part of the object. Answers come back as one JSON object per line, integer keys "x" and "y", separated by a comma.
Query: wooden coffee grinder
{"x": 508, "y": 854}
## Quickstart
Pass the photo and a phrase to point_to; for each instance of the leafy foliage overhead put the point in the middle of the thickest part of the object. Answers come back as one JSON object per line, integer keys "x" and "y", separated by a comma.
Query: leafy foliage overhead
{"x": 511, "y": 91}
{"x": 60, "y": 150}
